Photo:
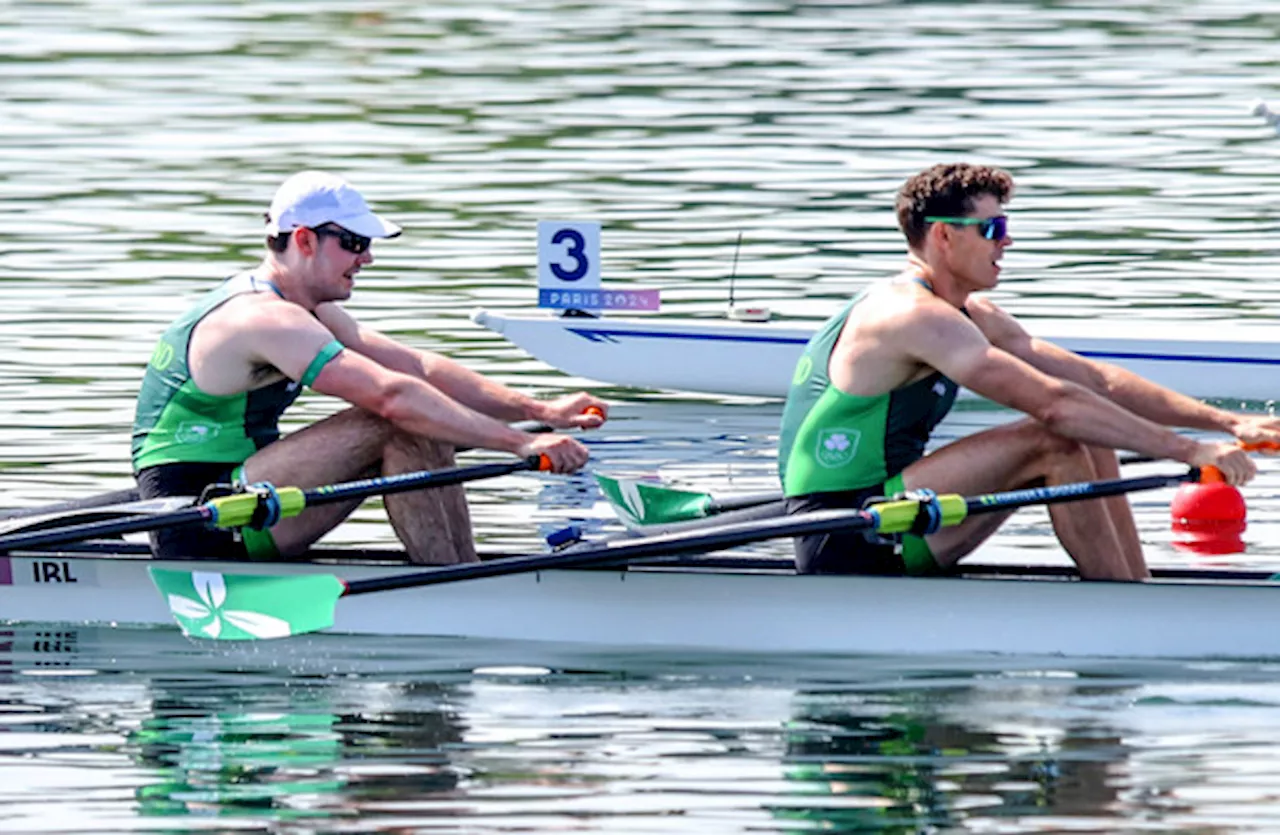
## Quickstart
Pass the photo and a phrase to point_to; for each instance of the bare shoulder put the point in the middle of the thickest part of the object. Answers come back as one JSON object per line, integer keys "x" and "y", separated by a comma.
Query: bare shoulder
{"x": 263, "y": 312}
{"x": 914, "y": 313}
{"x": 902, "y": 331}
{"x": 996, "y": 324}
{"x": 890, "y": 307}
{"x": 259, "y": 329}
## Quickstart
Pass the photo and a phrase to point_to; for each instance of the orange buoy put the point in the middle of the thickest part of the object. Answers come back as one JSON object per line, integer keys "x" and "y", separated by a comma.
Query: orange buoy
{"x": 1209, "y": 517}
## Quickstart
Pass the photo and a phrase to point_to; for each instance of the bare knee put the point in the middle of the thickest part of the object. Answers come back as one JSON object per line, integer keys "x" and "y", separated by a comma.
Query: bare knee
{"x": 1048, "y": 452}
{"x": 428, "y": 452}
{"x": 1053, "y": 445}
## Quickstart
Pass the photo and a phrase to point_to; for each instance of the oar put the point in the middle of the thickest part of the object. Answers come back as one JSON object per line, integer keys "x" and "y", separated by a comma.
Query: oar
{"x": 645, "y": 503}
{"x": 269, "y": 506}
{"x": 130, "y": 494}
{"x": 641, "y": 504}
{"x": 87, "y": 503}
{"x": 250, "y": 606}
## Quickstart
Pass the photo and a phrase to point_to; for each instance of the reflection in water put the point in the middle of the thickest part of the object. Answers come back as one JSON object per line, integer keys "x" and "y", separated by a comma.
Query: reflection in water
{"x": 872, "y": 744}
{"x": 879, "y": 765}
{"x": 230, "y": 763}
{"x": 305, "y": 762}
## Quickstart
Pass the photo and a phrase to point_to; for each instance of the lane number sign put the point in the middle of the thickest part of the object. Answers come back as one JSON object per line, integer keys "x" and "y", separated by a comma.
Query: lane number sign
{"x": 569, "y": 271}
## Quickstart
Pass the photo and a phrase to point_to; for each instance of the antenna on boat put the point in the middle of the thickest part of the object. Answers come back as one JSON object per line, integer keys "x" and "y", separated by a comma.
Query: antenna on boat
{"x": 749, "y": 312}
{"x": 733, "y": 271}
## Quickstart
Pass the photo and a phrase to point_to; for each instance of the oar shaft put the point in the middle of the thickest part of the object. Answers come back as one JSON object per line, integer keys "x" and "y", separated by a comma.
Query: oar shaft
{"x": 403, "y": 483}
{"x": 239, "y": 509}
{"x": 252, "y": 507}
{"x": 674, "y": 544}
{"x": 1075, "y": 492}
{"x": 730, "y": 503}
{"x": 889, "y": 517}
{"x": 716, "y": 505}
{"x": 131, "y": 494}
{"x": 201, "y": 514}
{"x": 88, "y": 502}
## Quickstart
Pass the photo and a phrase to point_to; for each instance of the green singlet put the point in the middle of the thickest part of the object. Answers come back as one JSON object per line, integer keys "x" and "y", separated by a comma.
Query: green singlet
{"x": 832, "y": 441}
{"x": 835, "y": 448}
{"x": 176, "y": 422}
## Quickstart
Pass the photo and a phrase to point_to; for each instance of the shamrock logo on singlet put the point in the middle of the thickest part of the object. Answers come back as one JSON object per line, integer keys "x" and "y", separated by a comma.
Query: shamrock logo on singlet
{"x": 194, "y": 432}
{"x": 837, "y": 446}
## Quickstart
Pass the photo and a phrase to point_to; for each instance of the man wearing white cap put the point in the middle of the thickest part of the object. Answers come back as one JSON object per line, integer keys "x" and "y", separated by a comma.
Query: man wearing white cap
{"x": 223, "y": 373}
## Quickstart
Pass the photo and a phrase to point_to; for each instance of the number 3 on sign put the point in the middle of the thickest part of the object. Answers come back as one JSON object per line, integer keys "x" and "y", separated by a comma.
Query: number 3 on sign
{"x": 568, "y": 254}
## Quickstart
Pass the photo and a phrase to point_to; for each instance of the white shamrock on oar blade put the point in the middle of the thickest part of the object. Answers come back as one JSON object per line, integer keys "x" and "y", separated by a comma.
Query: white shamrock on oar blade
{"x": 629, "y": 492}
{"x": 212, "y": 590}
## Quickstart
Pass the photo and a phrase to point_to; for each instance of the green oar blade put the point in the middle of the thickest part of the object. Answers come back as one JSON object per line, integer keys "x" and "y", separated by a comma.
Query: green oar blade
{"x": 641, "y": 503}
{"x": 247, "y": 607}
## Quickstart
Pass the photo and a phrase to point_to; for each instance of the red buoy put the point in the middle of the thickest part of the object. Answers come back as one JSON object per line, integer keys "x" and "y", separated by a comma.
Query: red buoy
{"x": 1209, "y": 517}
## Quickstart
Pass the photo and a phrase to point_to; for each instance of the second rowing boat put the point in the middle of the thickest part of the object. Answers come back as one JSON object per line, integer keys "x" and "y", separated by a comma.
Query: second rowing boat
{"x": 758, "y": 358}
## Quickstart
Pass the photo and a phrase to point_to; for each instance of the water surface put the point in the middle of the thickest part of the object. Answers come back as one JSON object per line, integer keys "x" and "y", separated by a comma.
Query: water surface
{"x": 142, "y": 140}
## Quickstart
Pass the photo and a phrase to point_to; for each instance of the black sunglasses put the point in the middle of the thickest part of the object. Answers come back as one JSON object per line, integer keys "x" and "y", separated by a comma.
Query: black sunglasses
{"x": 348, "y": 240}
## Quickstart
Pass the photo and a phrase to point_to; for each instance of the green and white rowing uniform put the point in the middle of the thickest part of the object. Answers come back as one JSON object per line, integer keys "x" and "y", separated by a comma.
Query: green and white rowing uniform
{"x": 836, "y": 450}
{"x": 834, "y": 441}
{"x": 176, "y": 422}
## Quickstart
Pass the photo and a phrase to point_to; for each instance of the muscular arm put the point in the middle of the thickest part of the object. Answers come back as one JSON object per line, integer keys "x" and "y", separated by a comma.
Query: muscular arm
{"x": 1136, "y": 394}
{"x": 451, "y": 378}
{"x": 940, "y": 337}
{"x": 288, "y": 338}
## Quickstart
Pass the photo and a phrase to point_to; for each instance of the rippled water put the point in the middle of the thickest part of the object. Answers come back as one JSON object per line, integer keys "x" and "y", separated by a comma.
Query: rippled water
{"x": 387, "y": 735}
{"x": 140, "y": 142}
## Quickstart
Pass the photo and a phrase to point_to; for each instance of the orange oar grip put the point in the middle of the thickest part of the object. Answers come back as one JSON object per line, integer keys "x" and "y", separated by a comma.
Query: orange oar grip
{"x": 594, "y": 410}
{"x": 1211, "y": 475}
{"x": 1261, "y": 446}
{"x": 544, "y": 463}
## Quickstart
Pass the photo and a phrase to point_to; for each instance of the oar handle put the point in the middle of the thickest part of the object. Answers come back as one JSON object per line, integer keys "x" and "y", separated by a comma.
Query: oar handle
{"x": 1210, "y": 474}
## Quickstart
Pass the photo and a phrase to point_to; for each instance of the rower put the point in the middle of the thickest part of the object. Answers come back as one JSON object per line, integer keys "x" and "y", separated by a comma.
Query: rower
{"x": 224, "y": 372}
{"x": 874, "y": 382}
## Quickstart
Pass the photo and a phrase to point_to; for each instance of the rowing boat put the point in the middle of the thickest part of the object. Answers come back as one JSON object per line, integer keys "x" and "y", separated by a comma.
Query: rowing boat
{"x": 1201, "y": 359}
{"x": 656, "y": 591}
{"x": 722, "y": 604}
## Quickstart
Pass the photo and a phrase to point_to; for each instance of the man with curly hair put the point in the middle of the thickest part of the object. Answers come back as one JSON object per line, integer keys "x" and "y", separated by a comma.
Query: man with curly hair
{"x": 881, "y": 374}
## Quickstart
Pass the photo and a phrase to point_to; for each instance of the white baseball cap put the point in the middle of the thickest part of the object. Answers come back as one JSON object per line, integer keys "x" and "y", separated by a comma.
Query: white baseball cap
{"x": 314, "y": 198}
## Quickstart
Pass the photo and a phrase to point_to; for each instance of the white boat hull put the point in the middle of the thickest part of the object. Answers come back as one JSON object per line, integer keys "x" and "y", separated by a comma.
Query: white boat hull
{"x": 723, "y": 611}
{"x": 1205, "y": 360}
